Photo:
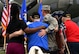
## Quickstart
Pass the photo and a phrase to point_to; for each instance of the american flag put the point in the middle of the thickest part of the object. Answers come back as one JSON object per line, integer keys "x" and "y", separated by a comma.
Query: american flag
{"x": 5, "y": 18}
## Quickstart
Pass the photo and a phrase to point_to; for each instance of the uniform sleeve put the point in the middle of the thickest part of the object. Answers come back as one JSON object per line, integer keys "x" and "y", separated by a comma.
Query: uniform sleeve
{"x": 52, "y": 24}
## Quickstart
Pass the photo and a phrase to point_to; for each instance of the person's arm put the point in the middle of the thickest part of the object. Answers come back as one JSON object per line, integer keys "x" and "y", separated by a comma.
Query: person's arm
{"x": 60, "y": 42}
{"x": 26, "y": 30}
{"x": 33, "y": 30}
{"x": 53, "y": 26}
{"x": 16, "y": 33}
{"x": 42, "y": 32}
{"x": 62, "y": 48}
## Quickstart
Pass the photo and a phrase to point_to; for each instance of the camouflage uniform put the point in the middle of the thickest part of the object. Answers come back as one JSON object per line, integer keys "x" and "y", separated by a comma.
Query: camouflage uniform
{"x": 51, "y": 37}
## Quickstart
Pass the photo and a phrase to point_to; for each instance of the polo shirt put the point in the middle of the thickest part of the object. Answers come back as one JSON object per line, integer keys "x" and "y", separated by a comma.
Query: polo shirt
{"x": 34, "y": 39}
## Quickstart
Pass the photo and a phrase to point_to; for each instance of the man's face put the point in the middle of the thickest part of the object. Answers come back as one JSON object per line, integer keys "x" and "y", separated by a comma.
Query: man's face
{"x": 63, "y": 19}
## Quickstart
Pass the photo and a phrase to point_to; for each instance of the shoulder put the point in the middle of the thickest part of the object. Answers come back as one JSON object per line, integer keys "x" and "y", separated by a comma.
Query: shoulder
{"x": 21, "y": 22}
{"x": 48, "y": 15}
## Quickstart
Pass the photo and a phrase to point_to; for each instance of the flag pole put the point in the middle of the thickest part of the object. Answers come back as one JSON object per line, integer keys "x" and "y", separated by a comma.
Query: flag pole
{"x": 4, "y": 47}
{"x": 67, "y": 48}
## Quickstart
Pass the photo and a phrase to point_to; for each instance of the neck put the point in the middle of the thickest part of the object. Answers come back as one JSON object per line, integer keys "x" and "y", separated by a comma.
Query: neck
{"x": 36, "y": 20}
{"x": 67, "y": 19}
{"x": 45, "y": 14}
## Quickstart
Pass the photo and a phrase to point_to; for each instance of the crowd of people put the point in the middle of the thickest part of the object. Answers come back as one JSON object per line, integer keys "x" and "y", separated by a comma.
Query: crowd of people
{"x": 52, "y": 35}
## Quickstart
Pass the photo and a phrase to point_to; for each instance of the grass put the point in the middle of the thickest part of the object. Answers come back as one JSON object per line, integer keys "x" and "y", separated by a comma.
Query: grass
{"x": 2, "y": 52}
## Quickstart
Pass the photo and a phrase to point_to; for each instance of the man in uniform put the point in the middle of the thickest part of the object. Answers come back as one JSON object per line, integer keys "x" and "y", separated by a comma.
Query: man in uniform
{"x": 52, "y": 28}
{"x": 72, "y": 33}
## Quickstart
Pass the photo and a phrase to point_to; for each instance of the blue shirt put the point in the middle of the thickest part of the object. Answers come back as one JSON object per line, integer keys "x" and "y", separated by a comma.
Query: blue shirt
{"x": 36, "y": 40}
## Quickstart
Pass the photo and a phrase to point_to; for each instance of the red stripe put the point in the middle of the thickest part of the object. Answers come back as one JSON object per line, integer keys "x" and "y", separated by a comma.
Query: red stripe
{"x": 4, "y": 11}
{"x": 5, "y": 17}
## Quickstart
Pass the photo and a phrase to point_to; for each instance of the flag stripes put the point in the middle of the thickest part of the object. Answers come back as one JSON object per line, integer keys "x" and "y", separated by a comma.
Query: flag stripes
{"x": 5, "y": 19}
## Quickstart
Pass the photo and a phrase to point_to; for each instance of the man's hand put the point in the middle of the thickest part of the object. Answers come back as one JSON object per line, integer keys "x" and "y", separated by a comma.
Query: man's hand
{"x": 42, "y": 32}
{"x": 61, "y": 51}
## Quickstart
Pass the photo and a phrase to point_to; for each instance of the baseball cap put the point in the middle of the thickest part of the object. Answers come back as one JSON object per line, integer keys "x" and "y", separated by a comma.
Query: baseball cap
{"x": 46, "y": 7}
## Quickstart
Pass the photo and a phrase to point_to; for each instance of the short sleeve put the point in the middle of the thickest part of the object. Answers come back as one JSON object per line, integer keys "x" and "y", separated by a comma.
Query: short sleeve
{"x": 23, "y": 25}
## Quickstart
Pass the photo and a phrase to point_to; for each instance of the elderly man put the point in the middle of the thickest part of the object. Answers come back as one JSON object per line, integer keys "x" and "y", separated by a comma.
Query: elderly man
{"x": 72, "y": 33}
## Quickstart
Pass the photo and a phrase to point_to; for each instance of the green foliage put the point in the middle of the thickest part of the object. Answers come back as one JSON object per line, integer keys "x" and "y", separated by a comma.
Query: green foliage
{"x": 2, "y": 52}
